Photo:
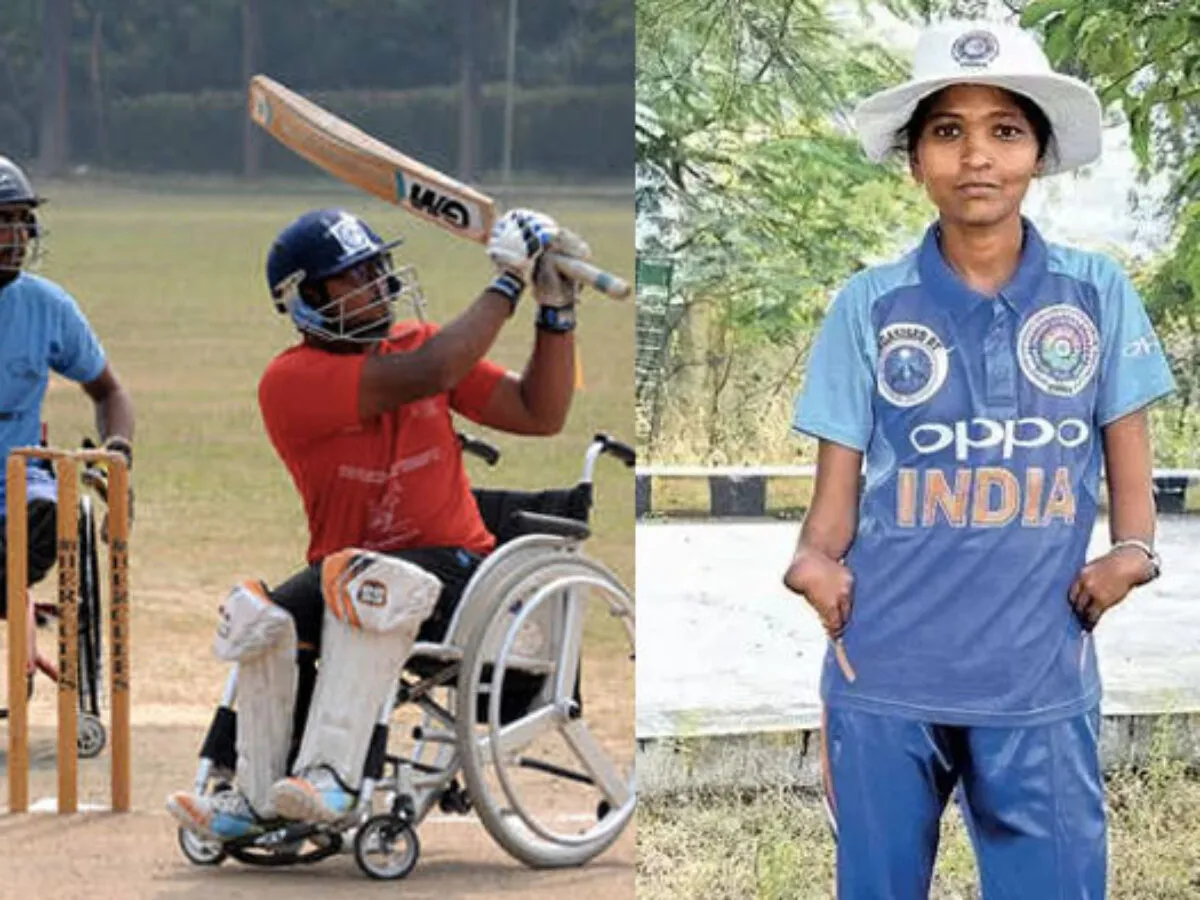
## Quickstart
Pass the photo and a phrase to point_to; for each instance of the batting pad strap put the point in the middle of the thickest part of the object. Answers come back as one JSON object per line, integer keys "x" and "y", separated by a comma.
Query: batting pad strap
{"x": 261, "y": 638}
{"x": 375, "y": 592}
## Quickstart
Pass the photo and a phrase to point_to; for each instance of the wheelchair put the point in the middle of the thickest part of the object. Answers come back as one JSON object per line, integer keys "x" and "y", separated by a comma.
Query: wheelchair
{"x": 506, "y": 673}
{"x": 92, "y": 735}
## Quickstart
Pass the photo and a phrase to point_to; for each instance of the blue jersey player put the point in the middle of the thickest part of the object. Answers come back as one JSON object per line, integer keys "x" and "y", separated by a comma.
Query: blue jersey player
{"x": 985, "y": 377}
{"x": 42, "y": 330}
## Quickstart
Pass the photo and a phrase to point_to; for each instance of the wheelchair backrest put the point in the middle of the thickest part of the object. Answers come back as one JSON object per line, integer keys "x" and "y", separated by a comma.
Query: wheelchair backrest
{"x": 497, "y": 507}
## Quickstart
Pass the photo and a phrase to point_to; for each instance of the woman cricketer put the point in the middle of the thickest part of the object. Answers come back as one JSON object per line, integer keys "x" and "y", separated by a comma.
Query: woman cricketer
{"x": 985, "y": 377}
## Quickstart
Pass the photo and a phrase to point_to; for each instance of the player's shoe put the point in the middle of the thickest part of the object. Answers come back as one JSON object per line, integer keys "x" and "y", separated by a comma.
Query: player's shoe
{"x": 315, "y": 795}
{"x": 223, "y": 816}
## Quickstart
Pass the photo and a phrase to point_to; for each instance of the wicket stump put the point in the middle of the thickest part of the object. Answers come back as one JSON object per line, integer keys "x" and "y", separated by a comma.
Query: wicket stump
{"x": 66, "y": 464}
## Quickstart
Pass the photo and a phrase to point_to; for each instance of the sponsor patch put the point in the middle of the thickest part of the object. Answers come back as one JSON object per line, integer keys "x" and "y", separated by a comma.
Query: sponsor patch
{"x": 913, "y": 363}
{"x": 372, "y": 593}
{"x": 1059, "y": 350}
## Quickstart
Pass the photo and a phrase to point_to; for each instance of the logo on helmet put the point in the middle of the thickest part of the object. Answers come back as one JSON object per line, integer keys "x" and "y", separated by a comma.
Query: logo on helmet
{"x": 975, "y": 49}
{"x": 349, "y": 232}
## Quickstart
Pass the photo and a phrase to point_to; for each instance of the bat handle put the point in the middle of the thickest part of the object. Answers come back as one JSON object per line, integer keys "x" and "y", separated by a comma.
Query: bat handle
{"x": 605, "y": 283}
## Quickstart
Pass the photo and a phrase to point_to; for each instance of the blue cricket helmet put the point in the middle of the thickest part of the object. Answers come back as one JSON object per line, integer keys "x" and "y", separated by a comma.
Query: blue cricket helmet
{"x": 317, "y": 246}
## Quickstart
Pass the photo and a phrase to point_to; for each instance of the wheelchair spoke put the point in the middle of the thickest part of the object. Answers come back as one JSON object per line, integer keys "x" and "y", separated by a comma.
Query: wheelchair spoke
{"x": 596, "y": 761}
{"x": 520, "y": 734}
{"x": 567, "y": 669}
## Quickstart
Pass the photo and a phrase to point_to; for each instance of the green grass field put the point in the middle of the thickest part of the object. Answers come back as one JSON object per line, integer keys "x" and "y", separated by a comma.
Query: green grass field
{"x": 171, "y": 277}
{"x": 776, "y": 845}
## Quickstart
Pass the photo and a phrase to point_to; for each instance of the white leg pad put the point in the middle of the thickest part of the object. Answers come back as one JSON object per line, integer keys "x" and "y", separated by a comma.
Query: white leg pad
{"x": 374, "y": 606}
{"x": 261, "y": 638}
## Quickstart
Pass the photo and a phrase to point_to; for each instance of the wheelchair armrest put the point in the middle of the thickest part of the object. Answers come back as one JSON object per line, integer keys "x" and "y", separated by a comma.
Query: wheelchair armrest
{"x": 537, "y": 523}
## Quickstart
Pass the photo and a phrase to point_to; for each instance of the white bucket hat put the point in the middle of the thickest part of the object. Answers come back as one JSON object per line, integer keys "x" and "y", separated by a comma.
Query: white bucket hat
{"x": 958, "y": 52}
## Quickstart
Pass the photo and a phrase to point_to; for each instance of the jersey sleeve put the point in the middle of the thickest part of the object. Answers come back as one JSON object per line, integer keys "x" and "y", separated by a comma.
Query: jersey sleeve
{"x": 304, "y": 396}
{"x": 1133, "y": 368}
{"x": 835, "y": 403}
{"x": 75, "y": 351}
{"x": 471, "y": 395}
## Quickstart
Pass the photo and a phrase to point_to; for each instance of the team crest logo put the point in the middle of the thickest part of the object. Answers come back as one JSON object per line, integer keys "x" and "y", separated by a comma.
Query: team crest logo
{"x": 913, "y": 363}
{"x": 350, "y": 234}
{"x": 372, "y": 593}
{"x": 1059, "y": 350}
{"x": 975, "y": 49}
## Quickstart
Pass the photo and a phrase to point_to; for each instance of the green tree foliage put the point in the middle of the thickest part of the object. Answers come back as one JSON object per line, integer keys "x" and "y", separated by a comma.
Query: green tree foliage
{"x": 749, "y": 174}
{"x": 1144, "y": 58}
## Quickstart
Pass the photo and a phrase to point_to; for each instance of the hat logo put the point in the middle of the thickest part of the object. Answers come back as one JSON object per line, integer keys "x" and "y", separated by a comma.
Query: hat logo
{"x": 975, "y": 49}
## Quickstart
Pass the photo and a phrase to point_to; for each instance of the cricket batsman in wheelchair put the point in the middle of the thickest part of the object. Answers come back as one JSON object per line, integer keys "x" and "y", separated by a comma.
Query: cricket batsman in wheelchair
{"x": 359, "y": 413}
{"x": 42, "y": 329}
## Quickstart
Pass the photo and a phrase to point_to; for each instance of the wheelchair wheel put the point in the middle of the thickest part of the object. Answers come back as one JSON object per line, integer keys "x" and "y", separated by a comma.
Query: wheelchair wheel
{"x": 386, "y": 847}
{"x": 537, "y": 772}
{"x": 200, "y": 851}
{"x": 92, "y": 736}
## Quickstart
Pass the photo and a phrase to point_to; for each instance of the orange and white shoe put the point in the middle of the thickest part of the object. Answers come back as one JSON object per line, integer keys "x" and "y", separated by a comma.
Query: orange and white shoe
{"x": 313, "y": 796}
{"x": 222, "y": 816}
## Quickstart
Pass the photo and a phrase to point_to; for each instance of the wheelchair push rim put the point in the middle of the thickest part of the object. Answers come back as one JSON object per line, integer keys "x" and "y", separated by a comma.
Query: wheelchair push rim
{"x": 507, "y": 817}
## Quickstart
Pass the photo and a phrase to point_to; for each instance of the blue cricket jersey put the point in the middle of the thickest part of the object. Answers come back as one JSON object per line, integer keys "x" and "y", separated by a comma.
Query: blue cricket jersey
{"x": 41, "y": 329}
{"x": 980, "y": 419}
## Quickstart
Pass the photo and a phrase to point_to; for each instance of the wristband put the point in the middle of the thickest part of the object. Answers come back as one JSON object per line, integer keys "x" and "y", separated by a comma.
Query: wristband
{"x": 556, "y": 319}
{"x": 118, "y": 444}
{"x": 509, "y": 285}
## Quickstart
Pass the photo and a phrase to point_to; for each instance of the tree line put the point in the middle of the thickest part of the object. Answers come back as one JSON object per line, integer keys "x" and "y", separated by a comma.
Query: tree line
{"x": 64, "y": 64}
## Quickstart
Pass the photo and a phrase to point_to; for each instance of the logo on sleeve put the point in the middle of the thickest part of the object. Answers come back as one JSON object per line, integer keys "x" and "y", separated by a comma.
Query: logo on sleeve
{"x": 913, "y": 363}
{"x": 1059, "y": 349}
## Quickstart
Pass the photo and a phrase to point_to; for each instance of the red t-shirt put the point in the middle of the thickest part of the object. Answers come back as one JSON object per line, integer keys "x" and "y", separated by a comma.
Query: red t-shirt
{"x": 395, "y": 482}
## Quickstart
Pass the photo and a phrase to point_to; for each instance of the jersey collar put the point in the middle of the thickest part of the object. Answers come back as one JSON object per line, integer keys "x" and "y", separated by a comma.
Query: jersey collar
{"x": 945, "y": 285}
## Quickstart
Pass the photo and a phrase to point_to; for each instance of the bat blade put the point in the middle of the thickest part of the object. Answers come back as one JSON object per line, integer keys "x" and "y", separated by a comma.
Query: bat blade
{"x": 353, "y": 156}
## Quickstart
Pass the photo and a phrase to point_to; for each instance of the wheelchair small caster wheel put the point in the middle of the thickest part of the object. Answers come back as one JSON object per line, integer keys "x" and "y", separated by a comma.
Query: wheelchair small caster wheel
{"x": 200, "y": 851}
{"x": 92, "y": 737}
{"x": 386, "y": 848}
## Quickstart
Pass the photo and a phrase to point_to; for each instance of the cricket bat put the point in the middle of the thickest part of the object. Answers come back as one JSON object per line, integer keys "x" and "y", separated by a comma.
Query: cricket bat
{"x": 369, "y": 164}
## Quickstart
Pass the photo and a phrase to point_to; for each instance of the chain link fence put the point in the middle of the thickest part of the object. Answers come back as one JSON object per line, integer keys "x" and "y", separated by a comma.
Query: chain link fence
{"x": 658, "y": 314}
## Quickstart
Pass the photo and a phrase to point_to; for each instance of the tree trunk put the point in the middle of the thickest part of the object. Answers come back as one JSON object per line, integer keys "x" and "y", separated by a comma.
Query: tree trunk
{"x": 53, "y": 148}
{"x": 471, "y": 25}
{"x": 251, "y": 53}
{"x": 96, "y": 71}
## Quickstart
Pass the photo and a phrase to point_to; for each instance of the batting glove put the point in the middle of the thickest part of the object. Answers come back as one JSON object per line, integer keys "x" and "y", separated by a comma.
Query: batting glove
{"x": 518, "y": 240}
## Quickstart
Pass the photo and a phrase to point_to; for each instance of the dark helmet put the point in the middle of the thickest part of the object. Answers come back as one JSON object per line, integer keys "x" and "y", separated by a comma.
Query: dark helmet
{"x": 23, "y": 248}
{"x": 317, "y": 246}
{"x": 15, "y": 186}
